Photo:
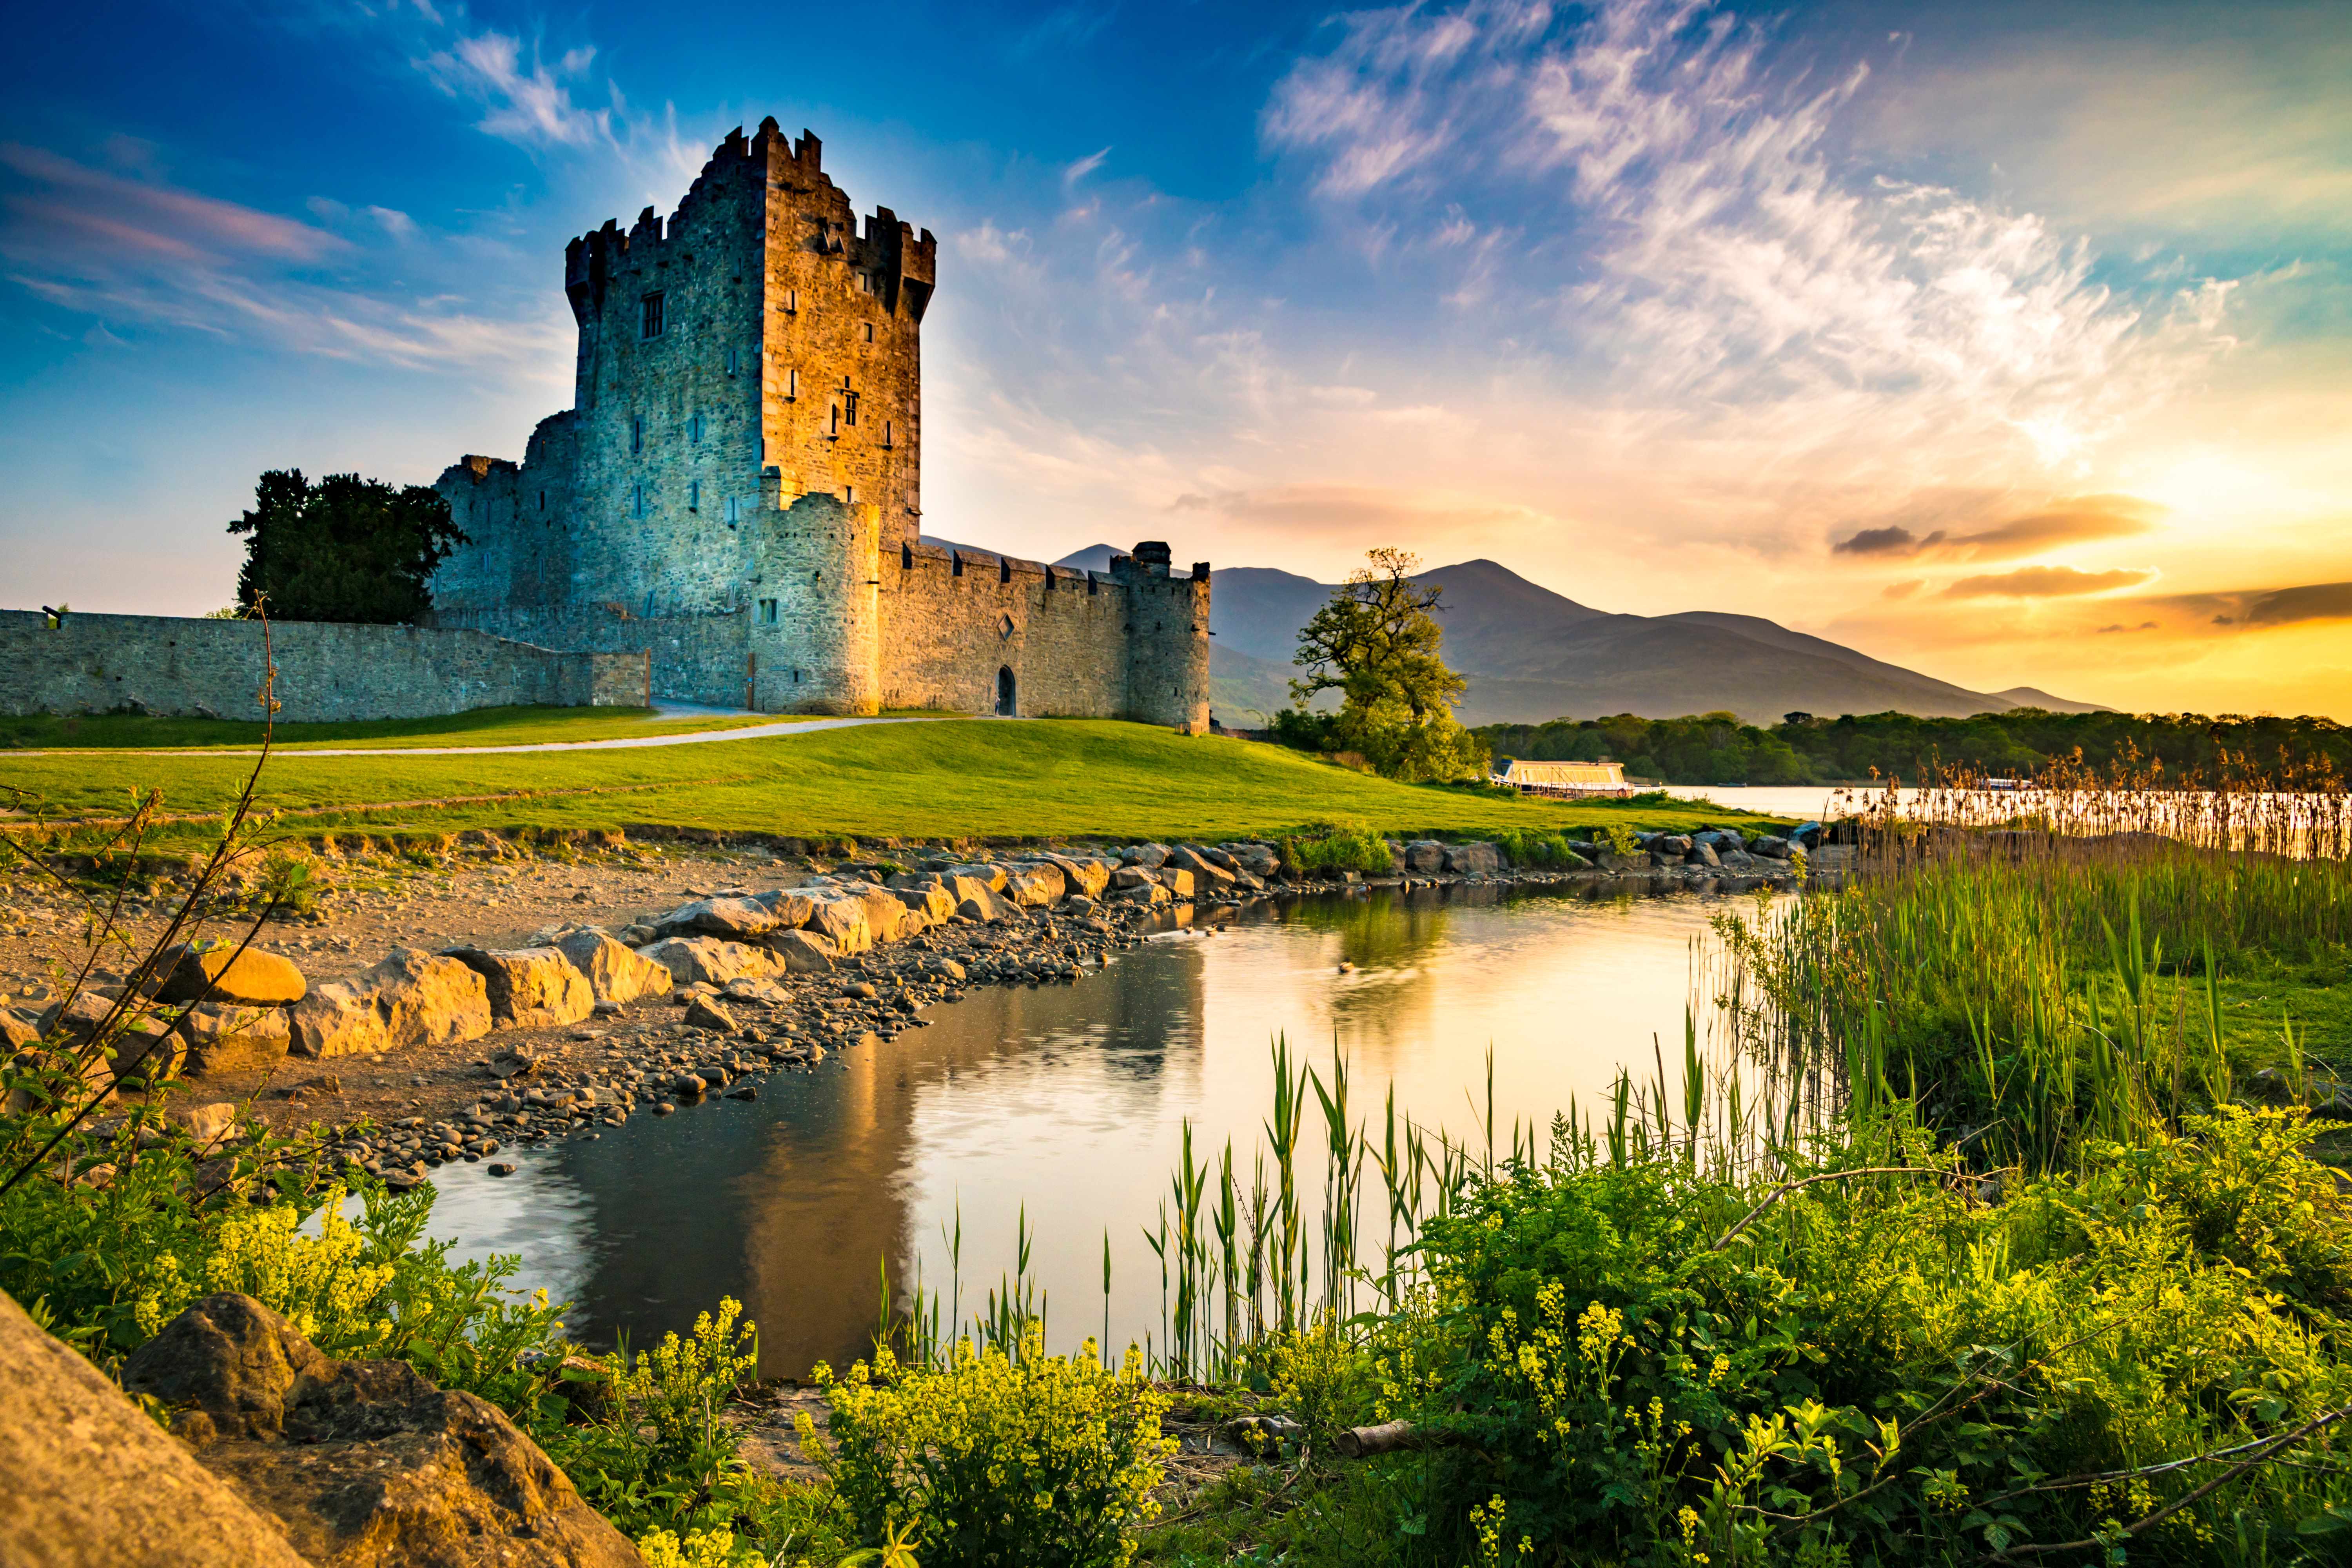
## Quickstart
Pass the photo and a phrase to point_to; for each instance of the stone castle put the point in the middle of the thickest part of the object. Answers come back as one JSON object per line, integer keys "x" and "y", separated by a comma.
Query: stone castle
{"x": 736, "y": 492}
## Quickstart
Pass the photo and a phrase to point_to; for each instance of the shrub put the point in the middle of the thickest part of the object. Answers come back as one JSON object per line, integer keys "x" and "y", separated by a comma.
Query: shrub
{"x": 1341, "y": 847}
{"x": 994, "y": 1460}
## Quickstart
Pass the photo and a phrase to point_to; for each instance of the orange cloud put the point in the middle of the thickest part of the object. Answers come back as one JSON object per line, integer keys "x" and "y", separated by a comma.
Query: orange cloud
{"x": 2044, "y": 582}
{"x": 2063, "y": 522}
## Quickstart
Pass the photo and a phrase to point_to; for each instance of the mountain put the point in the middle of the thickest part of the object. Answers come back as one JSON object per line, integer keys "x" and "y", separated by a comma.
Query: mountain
{"x": 1531, "y": 655}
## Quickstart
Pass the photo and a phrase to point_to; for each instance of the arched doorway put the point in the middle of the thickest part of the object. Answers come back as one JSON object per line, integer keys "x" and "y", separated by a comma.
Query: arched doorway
{"x": 1004, "y": 702}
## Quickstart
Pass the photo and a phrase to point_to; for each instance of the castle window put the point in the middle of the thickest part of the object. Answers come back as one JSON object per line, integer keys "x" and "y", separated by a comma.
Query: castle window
{"x": 636, "y": 432}
{"x": 653, "y": 317}
{"x": 792, "y": 385}
{"x": 734, "y": 510}
{"x": 766, "y": 612}
{"x": 835, "y": 429}
{"x": 848, "y": 406}
{"x": 905, "y": 558}
{"x": 732, "y": 362}
{"x": 869, "y": 331}
{"x": 957, "y": 570}
{"x": 791, "y": 304}
{"x": 694, "y": 495}
{"x": 636, "y": 500}
{"x": 885, "y": 434}
{"x": 849, "y": 495}
{"x": 694, "y": 427}
{"x": 1004, "y": 569}
{"x": 542, "y": 500}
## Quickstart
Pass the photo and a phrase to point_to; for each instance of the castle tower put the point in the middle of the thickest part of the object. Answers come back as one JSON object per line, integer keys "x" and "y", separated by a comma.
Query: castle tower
{"x": 735, "y": 493}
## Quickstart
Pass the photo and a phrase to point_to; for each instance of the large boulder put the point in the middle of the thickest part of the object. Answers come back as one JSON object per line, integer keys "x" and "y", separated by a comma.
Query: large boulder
{"x": 977, "y": 899}
{"x": 1036, "y": 884}
{"x": 735, "y": 919}
{"x": 1128, "y": 877}
{"x": 364, "y": 1464}
{"x": 1150, "y": 857}
{"x": 710, "y": 960}
{"x": 531, "y": 987}
{"x": 615, "y": 971}
{"x": 1180, "y": 882}
{"x": 234, "y": 1039}
{"x": 803, "y": 951}
{"x": 19, "y": 1027}
{"x": 981, "y": 870}
{"x": 89, "y": 1480}
{"x": 426, "y": 999}
{"x": 1142, "y": 894}
{"x": 928, "y": 898}
{"x": 1424, "y": 858}
{"x": 1263, "y": 860}
{"x": 1206, "y": 872}
{"x": 791, "y": 906}
{"x": 844, "y": 919}
{"x": 1770, "y": 847}
{"x": 211, "y": 968}
{"x": 1085, "y": 874}
{"x": 339, "y": 1019}
{"x": 1704, "y": 854}
{"x": 1473, "y": 859}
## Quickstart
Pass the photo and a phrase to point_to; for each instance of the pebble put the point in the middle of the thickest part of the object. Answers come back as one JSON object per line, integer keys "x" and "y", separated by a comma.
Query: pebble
{"x": 502, "y": 1168}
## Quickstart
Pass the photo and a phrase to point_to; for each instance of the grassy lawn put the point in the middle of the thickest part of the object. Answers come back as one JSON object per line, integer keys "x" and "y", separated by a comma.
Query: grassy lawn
{"x": 1050, "y": 778}
{"x": 482, "y": 727}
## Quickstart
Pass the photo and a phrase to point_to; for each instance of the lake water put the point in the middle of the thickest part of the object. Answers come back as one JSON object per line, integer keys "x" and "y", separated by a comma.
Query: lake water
{"x": 1069, "y": 1100}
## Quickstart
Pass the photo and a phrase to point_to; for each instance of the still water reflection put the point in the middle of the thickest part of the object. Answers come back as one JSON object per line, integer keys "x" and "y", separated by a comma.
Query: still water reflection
{"x": 1069, "y": 1100}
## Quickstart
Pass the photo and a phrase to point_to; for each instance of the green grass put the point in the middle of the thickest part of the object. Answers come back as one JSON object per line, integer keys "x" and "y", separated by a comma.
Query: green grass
{"x": 1059, "y": 778}
{"x": 482, "y": 727}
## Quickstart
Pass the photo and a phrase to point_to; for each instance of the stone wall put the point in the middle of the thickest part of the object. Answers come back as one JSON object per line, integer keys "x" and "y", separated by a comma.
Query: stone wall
{"x": 326, "y": 671}
{"x": 952, "y": 619}
{"x": 688, "y": 658}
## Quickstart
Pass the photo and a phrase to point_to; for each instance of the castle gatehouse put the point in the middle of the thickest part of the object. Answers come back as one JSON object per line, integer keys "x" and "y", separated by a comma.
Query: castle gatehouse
{"x": 736, "y": 492}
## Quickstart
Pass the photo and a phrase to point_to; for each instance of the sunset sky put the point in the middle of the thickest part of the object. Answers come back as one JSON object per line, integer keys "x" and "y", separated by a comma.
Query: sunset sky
{"x": 2013, "y": 343}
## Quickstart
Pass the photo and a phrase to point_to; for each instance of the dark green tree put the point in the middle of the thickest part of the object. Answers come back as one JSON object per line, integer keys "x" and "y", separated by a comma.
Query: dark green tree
{"x": 345, "y": 549}
{"x": 1376, "y": 644}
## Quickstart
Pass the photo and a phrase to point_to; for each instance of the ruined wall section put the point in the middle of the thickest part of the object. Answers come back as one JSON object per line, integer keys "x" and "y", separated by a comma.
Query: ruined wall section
{"x": 327, "y": 671}
{"x": 687, "y": 658}
{"x": 842, "y": 399}
{"x": 517, "y": 523}
{"x": 951, "y": 620}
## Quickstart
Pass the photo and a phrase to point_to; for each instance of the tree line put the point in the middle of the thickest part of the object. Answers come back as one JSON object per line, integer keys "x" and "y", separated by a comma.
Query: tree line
{"x": 1802, "y": 748}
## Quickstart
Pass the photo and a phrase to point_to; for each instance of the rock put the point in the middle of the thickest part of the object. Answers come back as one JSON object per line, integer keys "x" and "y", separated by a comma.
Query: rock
{"x": 1424, "y": 858}
{"x": 1147, "y": 894}
{"x": 364, "y": 1464}
{"x": 765, "y": 992}
{"x": 616, "y": 973}
{"x": 1770, "y": 848}
{"x": 1180, "y": 882}
{"x": 1262, "y": 859}
{"x": 1676, "y": 845}
{"x": 1206, "y": 873}
{"x": 337, "y": 1019}
{"x": 1738, "y": 861}
{"x": 712, "y": 960}
{"x": 89, "y": 1480}
{"x": 1086, "y": 875}
{"x": 791, "y": 906}
{"x": 736, "y": 919}
{"x": 531, "y": 987}
{"x": 1079, "y": 904}
{"x": 843, "y": 920}
{"x": 979, "y": 870}
{"x": 1610, "y": 860}
{"x": 1036, "y": 884}
{"x": 803, "y": 952}
{"x": 1131, "y": 877}
{"x": 976, "y": 900}
{"x": 702, "y": 1013}
{"x": 860, "y": 991}
{"x": 211, "y": 970}
{"x": 502, "y": 1168}
{"x": 1703, "y": 855}
{"x": 1473, "y": 859}
{"x": 426, "y": 999}
{"x": 1806, "y": 835}
{"x": 205, "y": 1125}
{"x": 945, "y": 968}
{"x": 929, "y": 899}
{"x": 234, "y": 1039}
{"x": 19, "y": 1027}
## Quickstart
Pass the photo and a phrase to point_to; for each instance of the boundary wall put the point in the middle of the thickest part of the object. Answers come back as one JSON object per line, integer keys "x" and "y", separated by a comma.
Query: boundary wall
{"x": 327, "y": 671}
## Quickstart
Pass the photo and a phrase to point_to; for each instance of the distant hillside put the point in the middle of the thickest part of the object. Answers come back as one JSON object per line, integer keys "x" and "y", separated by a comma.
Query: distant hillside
{"x": 1532, "y": 654}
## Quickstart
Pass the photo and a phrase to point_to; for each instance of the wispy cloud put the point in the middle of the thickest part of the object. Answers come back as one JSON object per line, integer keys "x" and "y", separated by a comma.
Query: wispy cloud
{"x": 93, "y": 208}
{"x": 2045, "y": 583}
{"x": 527, "y": 104}
{"x": 2259, "y": 607}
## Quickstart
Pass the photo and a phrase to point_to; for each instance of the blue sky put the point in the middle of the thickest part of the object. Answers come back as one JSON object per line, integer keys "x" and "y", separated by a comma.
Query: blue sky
{"x": 2006, "y": 340}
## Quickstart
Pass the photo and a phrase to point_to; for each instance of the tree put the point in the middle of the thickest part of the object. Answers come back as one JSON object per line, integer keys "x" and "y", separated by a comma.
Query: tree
{"x": 346, "y": 549}
{"x": 1376, "y": 644}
